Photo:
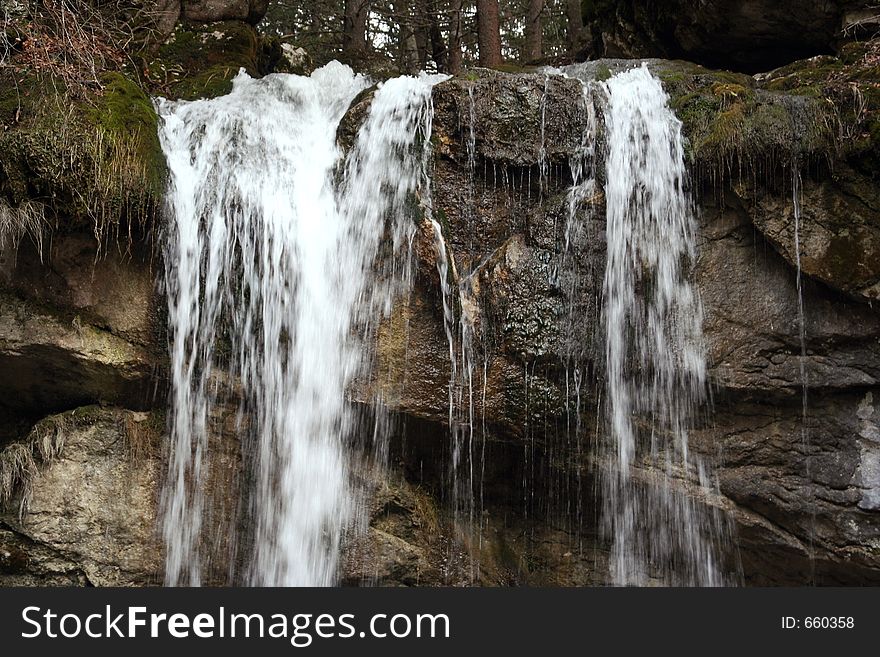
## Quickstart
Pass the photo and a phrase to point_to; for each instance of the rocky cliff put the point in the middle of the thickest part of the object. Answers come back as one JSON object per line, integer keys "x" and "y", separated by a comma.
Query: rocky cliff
{"x": 82, "y": 344}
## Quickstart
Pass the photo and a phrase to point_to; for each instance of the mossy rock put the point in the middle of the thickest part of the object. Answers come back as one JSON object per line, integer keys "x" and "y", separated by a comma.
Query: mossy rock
{"x": 200, "y": 61}
{"x": 848, "y": 88}
{"x": 87, "y": 156}
{"x": 731, "y": 122}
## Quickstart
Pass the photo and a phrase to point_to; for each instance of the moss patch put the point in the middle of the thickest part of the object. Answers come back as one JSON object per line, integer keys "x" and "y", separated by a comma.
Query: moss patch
{"x": 732, "y": 122}
{"x": 201, "y": 61}
{"x": 847, "y": 88}
{"x": 95, "y": 158}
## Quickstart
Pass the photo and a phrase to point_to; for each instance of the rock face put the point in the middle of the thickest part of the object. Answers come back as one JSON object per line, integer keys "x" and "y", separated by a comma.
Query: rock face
{"x": 103, "y": 478}
{"x": 839, "y": 231}
{"x": 77, "y": 327}
{"x": 733, "y": 34}
{"x": 803, "y": 494}
{"x": 210, "y": 11}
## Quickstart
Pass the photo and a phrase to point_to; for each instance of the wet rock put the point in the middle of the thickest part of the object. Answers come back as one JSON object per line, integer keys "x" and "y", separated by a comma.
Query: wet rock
{"x": 507, "y": 113}
{"x": 803, "y": 494}
{"x": 59, "y": 361}
{"x": 800, "y": 493}
{"x": 404, "y": 543}
{"x": 839, "y": 231}
{"x": 107, "y": 285}
{"x": 751, "y": 317}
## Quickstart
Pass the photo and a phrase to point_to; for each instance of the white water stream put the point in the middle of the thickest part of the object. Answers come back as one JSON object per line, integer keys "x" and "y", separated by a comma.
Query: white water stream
{"x": 272, "y": 279}
{"x": 655, "y": 360}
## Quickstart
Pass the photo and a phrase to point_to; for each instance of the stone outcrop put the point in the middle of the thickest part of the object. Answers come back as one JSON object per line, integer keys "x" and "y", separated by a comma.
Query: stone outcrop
{"x": 210, "y": 11}
{"x": 78, "y": 326}
{"x": 803, "y": 492}
{"x": 838, "y": 231}
{"x": 102, "y": 477}
{"x": 734, "y": 34}
{"x": 802, "y": 498}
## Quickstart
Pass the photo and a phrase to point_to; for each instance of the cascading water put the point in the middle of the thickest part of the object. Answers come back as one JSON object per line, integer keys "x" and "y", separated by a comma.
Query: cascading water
{"x": 656, "y": 369}
{"x": 269, "y": 260}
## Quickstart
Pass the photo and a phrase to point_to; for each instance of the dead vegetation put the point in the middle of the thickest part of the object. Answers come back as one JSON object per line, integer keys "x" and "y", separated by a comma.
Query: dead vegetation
{"x": 78, "y": 138}
{"x": 75, "y": 41}
{"x": 19, "y": 461}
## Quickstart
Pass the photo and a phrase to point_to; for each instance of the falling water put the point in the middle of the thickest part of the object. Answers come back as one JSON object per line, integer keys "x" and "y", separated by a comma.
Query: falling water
{"x": 448, "y": 312}
{"x": 656, "y": 369}
{"x": 802, "y": 336}
{"x": 543, "y": 160}
{"x": 574, "y": 272}
{"x": 270, "y": 261}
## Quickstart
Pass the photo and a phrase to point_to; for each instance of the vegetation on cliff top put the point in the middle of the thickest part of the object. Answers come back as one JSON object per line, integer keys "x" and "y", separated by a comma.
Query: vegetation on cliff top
{"x": 79, "y": 136}
{"x": 816, "y": 109}
{"x": 200, "y": 61}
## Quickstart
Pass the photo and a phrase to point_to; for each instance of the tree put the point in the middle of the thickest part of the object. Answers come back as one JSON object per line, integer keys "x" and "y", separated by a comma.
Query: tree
{"x": 489, "y": 33}
{"x": 534, "y": 31}
{"x": 354, "y": 31}
{"x": 575, "y": 24}
{"x": 438, "y": 44}
{"x": 455, "y": 28}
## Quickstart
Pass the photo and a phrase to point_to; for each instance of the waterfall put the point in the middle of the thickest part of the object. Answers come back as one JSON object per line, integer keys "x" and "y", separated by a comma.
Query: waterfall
{"x": 279, "y": 262}
{"x": 655, "y": 362}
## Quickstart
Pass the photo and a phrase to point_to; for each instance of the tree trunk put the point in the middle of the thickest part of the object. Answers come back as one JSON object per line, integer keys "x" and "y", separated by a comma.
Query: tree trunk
{"x": 534, "y": 32}
{"x": 408, "y": 49}
{"x": 438, "y": 45}
{"x": 455, "y": 59}
{"x": 421, "y": 22}
{"x": 489, "y": 33}
{"x": 354, "y": 31}
{"x": 575, "y": 25}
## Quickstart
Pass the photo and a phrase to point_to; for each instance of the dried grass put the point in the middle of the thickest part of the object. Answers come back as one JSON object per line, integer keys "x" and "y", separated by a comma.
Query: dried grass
{"x": 77, "y": 40}
{"x": 27, "y": 220}
{"x": 19, "y": 461}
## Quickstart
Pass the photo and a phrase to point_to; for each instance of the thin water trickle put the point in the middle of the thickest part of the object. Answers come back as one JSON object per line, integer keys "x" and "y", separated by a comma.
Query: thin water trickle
{"x": 272, "y": 263}
{"x": 802, "y": 337}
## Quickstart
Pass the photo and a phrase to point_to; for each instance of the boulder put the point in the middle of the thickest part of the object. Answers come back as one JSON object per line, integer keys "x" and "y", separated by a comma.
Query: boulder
{"x": 742, "y": 35}
{"x": 101, "y": 470}
{"x": 210, "y": 11}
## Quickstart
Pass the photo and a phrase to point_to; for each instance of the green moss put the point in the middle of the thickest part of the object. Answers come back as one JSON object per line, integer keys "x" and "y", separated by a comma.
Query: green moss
{"x": 603, "y": 73}
{"x": 201, "y": 61}
{"x": 724, "y": 133}
{"x": 93, "y": 157}
{"x": 126, "y": 116}
{"x": 730, "y": 117}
